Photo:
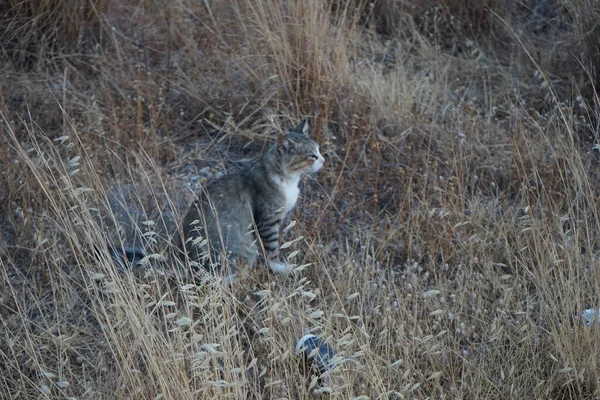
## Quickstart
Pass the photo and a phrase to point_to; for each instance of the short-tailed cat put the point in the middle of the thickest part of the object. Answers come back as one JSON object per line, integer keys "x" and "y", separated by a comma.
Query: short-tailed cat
{"x": 237, "y": 218}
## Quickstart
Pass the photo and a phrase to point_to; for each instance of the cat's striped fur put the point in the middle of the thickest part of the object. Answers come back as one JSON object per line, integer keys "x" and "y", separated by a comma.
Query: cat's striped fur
{"x": 237, "y": 218}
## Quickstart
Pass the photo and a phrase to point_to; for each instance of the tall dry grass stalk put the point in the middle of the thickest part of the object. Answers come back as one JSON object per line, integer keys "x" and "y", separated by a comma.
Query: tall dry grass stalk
{"x": 447, "y": 249}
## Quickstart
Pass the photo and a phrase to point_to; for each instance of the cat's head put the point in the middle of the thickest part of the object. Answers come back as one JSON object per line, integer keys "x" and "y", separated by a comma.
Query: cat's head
{"x": 297, "y": 153}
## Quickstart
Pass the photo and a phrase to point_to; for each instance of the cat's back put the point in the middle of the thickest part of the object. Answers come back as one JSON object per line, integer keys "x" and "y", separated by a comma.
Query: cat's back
{"x": 229, "y": 200}
{"x": 229, "y": 191}
{"x": 252, "y": 185}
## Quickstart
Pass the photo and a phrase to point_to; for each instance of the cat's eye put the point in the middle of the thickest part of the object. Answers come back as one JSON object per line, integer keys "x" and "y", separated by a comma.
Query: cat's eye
{"x": 313, "y": 157}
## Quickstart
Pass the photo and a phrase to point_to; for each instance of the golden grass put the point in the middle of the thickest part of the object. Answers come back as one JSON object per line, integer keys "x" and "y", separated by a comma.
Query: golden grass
{"x": 447, "y": 246}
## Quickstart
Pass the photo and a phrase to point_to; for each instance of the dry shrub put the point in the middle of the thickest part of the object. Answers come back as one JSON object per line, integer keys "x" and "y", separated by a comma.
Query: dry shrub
{"x": 444, "y": 20}
{"x": 33, "y": 30}
{"x": 584, "y": 15}
{"x": 257, "y": 60}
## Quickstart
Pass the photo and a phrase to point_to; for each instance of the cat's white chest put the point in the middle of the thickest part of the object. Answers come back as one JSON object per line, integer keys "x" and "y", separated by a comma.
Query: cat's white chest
{"x": 290, "y": 190}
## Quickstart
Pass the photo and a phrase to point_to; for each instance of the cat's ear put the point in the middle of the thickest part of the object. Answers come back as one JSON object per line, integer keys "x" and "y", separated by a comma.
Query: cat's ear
{"x": 283, "y": 144}
{"x": 302, "y": 128}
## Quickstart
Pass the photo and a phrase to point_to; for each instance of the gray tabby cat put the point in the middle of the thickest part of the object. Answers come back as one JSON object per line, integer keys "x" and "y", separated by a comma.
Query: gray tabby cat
{"x": 237, "y": 218}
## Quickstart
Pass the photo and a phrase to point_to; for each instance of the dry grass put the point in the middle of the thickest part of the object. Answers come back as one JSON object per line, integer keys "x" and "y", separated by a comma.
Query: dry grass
{"x": 446, "y": 248}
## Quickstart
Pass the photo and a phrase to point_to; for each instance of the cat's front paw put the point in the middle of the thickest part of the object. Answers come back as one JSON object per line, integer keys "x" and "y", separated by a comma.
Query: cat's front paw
{"x": 279, "y": 267}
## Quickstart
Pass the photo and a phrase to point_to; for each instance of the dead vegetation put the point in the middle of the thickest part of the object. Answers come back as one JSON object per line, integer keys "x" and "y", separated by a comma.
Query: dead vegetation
{"x": 445, "y": 250}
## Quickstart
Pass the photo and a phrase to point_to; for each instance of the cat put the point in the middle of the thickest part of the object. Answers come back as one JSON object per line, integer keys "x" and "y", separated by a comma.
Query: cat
{"x": 236, "y": 219}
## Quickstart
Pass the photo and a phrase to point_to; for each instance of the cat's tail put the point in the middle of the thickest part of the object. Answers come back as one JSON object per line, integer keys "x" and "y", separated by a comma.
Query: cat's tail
{"x": 126, "y": 257}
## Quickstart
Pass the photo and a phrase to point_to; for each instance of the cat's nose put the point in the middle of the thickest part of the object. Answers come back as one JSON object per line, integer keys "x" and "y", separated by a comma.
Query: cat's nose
{"x": 318, "y": 164}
